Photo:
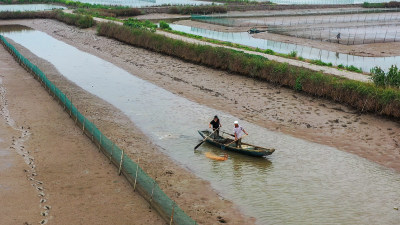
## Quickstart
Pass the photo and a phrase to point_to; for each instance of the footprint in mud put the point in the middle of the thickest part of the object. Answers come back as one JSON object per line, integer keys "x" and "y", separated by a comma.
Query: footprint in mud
{"x": 17, "y": 144}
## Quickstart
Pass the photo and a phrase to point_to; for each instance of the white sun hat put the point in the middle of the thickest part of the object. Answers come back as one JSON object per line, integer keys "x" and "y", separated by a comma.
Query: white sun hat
{"x": 236, "y": 122}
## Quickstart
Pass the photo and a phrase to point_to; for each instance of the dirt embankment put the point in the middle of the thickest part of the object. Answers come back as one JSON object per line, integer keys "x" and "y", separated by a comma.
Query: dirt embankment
{"x": 273, "y": 107}
{"x": 193, "y": 195}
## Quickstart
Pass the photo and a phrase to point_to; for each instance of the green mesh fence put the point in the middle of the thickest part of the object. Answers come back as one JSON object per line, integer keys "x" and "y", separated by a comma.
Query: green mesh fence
{"x": 140, "y": 181}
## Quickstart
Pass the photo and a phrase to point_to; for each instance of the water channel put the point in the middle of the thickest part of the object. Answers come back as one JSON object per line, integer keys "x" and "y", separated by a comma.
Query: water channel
{"x": 301, "y": 183}
{"x": 29, "y": 7}
{"x": 244, "y": 38}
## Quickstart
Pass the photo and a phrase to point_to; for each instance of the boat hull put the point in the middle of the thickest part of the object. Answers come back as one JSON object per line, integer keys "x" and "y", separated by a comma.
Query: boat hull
{"x": 256, "y": 151}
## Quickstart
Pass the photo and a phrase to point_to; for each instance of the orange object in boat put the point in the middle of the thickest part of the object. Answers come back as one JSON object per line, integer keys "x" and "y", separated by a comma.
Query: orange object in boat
{"x": 211, "y": 155}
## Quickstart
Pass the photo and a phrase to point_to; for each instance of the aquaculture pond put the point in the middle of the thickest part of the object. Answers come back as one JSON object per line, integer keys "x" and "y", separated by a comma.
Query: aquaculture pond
{"x": 322, "y": 2}
{"x": 146, "y": 3}
{"x": 29, "y": 7}
{"x": 336, "y": 58}
{"x": 301, "y": 183}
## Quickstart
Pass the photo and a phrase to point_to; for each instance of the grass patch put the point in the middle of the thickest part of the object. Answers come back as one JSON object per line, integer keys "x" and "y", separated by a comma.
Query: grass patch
{"x": 138, "y": 24}
{"x": 392, "y": 4}
{"x": 360, "y": 95}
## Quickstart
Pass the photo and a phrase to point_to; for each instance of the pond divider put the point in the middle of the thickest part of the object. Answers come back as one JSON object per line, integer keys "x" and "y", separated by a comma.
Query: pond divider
{"x": 140, "y": 181}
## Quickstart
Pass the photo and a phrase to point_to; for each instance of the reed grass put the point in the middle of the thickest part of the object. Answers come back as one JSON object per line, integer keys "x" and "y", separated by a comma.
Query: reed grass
{"x": 366, "y": 97}
{"x": 81, "y": 21}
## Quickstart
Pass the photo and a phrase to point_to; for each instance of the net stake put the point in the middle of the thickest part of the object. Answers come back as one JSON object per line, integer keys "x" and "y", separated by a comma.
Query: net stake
{"x": 99, "y": 141}
{"x": 83, "y": 125}
{"x": 172, "y": 214}
{"x": 137, "y": 169}
{"x": 152, "y": 191}
{"x": 112, "y": 150}
{"x": 120, "y": 163}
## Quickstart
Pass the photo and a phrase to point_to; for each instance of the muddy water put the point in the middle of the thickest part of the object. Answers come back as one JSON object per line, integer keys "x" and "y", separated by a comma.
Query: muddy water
{"x": 243, "y": 38}
{"x": 301, "y": 183}
{"x": 29, "y": 7}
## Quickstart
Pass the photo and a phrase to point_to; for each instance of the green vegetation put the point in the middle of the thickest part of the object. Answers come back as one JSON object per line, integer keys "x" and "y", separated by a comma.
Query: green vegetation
{"x": 293, "y": 54}
{"x": 144, "y": 25}
{"x": 320, "y": 63}
{"x": 80, "y": 21}
{"x": 362, "y": 96}
{"x": 76, "y": 4}
{"x": 392, "y": 4}
{"x": 108, "y": 13}
{"x": 164, "y": 25}
{"x": 389, "y": 79}
{"x": 201, "y": 9}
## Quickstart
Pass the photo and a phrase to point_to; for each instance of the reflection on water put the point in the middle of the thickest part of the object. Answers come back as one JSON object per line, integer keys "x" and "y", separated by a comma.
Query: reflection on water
{"x": 13, "y": 28}
{"x": 301, "y": 183}
{"x": 243, "y": 38}
{"x": 29, "y": 7}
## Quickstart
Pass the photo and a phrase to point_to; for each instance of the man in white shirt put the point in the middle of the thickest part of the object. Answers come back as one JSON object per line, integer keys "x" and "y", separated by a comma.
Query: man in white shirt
{"x": 238, "y": 131}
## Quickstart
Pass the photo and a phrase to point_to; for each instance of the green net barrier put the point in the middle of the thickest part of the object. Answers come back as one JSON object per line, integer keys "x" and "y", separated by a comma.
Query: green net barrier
{"x": 140, "y": 181}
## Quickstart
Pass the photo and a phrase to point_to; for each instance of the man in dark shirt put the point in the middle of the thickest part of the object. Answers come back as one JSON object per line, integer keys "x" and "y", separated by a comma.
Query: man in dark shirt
{"x": 215, "y": 125}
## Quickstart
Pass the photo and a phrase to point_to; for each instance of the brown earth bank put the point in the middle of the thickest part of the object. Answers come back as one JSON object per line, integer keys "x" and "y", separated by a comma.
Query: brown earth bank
{"x": 273, "y": 107}
{"x": 193, "y": 195}
{"x": 55, "y": 174}
{"x": 368, "y": 50}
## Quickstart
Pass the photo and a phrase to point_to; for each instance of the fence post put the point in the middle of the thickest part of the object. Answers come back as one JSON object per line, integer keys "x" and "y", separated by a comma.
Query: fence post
{"x": 99, "y": 141}
{"x": 112, "y": 151}
{"x": 70, "y": 108}
{"x": 120, "y": 163}
{"x": 152, "y": 191}
{"x": 172, "y": 213}
{"x": 83, "y": 125}
{"x": 137, "y": 169}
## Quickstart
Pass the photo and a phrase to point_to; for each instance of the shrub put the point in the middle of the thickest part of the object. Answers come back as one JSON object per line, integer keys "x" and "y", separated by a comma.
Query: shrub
{"x": 269, "y": 51}
{"x": 389, "y": 79}
{"x": 164, "y": 25}
{"x": 293, "y": 54}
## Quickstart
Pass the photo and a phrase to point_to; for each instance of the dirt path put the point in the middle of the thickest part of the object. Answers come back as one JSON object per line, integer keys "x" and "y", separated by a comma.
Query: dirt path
{"x": 276, "y": 108}
{"x": 193, "y": 195}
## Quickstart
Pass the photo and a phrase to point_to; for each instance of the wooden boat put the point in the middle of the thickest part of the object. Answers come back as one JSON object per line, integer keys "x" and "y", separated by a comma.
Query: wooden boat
{"x": 226, "y": 144}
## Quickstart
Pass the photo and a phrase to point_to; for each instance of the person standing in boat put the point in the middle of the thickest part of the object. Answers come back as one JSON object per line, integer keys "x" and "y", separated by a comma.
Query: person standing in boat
{"x": 216, "y": 124}
{"x": 238, "y": 131}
